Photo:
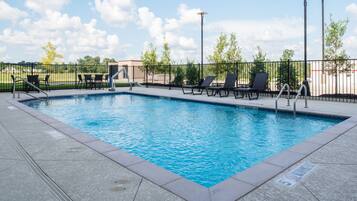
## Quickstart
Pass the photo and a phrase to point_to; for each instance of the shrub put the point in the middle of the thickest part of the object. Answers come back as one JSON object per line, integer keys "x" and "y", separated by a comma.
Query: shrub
{"x": 179, "y": 76}
{"x": 192, "y": 74}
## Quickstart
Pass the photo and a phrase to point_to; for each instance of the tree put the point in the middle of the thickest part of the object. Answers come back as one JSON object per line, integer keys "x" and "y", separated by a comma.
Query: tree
{"x": 226, "y": 53}
{"x": 149, "y": 58}
{"x": 51, "y": 55}
{"x": 334, "y": 47}
{"x": 287, "y": 73}
{"x": 165, "y": 60}
{"x": 233, "y": 53}
{"x": 259, "y": 64}
{"x": 335, "y": 54}
{"x": 218, "y": 55}
{"x": 93, "y": 64}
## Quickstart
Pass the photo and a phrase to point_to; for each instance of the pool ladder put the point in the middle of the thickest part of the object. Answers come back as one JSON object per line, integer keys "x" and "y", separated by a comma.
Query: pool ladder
{"x": 125, "y": 72}
{"x": 30, "y": 84}
{"x": 287, "y": 87}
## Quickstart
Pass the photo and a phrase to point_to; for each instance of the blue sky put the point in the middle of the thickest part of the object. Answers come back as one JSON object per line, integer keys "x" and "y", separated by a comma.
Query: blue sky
{"x": 123, "y": 28}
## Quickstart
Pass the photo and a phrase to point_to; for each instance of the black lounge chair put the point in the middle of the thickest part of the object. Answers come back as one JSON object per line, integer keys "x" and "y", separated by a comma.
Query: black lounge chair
{"x": 88, "y": 81}
{"x": 47, "y": 82}
{"x": 259, "y": 85}
{"x": 200, "y": 87}
{"x": 33, "y": 79}
{"x": 229, "y": 84}
{"x": 98, "y": 81}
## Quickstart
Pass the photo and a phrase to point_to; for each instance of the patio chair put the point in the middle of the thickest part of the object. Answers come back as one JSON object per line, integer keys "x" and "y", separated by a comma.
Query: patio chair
{"x": 228, "y": 85}
{"x": 46, "y": 82}
{"x": 33, "y": 79}
{"x": 79, "y": 81}
{"x": 259, "y": 85}
{"x": 200, "y": 87}
{"x": 106, "y": 80}
{"x": 88, "y": 81}
{"x": 98, "y": 81}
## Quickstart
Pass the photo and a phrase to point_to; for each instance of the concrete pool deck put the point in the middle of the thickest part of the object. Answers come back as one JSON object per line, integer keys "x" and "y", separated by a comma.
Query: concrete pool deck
{"x": 38, "y": 162}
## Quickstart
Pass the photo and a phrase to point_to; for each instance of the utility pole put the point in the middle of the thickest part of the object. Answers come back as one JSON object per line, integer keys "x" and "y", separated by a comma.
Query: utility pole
{"x": 202, "y": 14}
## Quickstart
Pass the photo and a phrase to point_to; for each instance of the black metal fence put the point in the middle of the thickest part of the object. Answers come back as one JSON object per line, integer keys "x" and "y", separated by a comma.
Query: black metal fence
{"x": 333, "y": 80}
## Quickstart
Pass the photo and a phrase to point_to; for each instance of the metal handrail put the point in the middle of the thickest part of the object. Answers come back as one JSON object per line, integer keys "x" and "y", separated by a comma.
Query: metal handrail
{"x": 279, "y": 95}
{"x": 303, "y": 86}
{"x": 32, "y": 85}
{"x": 112, "y": 87}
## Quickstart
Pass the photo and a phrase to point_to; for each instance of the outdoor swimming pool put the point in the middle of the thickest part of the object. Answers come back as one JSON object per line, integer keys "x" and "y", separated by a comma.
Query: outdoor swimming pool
{"x": 205, "y": 143}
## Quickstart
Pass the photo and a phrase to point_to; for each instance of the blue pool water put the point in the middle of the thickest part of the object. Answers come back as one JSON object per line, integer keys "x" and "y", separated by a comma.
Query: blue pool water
{"x": 205, "y": 143}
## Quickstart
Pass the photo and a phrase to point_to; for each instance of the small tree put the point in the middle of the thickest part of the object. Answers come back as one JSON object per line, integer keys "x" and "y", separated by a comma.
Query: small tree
{"x": 287, "y": 72}
{"x": 149, "y": 58}
{"x": 179, "y": 76}
{"x": 259, "y": 64}
{"x": 218, "y": 55}
{"x": 165, "y": 60}
{"x": 233, "y": 53}
{"x": 192, "y": 73}
{"x": 335, "y": 54}
{"x": 51, "y": 55}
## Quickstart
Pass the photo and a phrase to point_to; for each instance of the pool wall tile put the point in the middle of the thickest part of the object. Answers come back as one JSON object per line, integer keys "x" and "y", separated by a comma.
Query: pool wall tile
{"x": 229, "y": 190}
{"x": 123, "y": 158}
{"x": 258, "y": 174}
{"x": 189, "y": 190}
{"x": 154, "y": 173}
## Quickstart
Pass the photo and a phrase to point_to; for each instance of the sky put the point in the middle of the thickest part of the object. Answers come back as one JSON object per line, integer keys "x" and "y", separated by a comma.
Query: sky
{"x": 122, "y": 29}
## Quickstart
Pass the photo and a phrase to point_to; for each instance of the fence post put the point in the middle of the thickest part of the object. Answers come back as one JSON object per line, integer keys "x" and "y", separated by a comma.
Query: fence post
{"x": 236, "y": 72}
{"x": 170, "y": 77}
{"x": 146, "y": 76}
{"x": 32, "y": 68}
{"x": 289, "y": 72}
{"x": 133, "y": 73}
{"x": 75, "y": 75}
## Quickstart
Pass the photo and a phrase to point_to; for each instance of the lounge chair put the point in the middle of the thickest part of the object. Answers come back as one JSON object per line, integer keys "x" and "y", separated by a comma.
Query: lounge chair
{"x": 259, "y": 85}
{"x": 47, "y": 82}
{"x": 88, "y": 81}
{"x": 200, "y": 87}
{"x": 33, "y": 79}
{"x": 229, "y": 84}
{"x": 98, "y": 81}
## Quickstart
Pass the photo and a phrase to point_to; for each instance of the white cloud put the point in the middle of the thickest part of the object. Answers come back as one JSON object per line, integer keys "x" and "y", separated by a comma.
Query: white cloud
{"x": 188, "y": 16}
{"x": 72, "y": 37}
{"x": 10, "y": 13}
{"x": 352, "y": 9}
{"x": 115, "y": 12}
{"x": 41, "y": 6}
{"x": 273, "y": 35}
{"x": 168, "y": 30}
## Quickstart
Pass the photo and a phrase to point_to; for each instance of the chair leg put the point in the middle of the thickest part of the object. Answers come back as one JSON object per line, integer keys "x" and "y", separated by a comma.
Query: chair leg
{"x": 185, "y": 92}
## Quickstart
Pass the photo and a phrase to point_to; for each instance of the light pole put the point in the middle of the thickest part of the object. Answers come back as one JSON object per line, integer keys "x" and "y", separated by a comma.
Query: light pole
{"x": 323, "y": 34}
{"x": 305, "y": 40}
{"x": 202, "y": 14}
{"x": 305, "y": 82}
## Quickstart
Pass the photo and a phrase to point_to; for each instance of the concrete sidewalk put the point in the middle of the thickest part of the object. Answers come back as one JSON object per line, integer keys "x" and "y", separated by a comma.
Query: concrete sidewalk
{"x": 38, "y": 162}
